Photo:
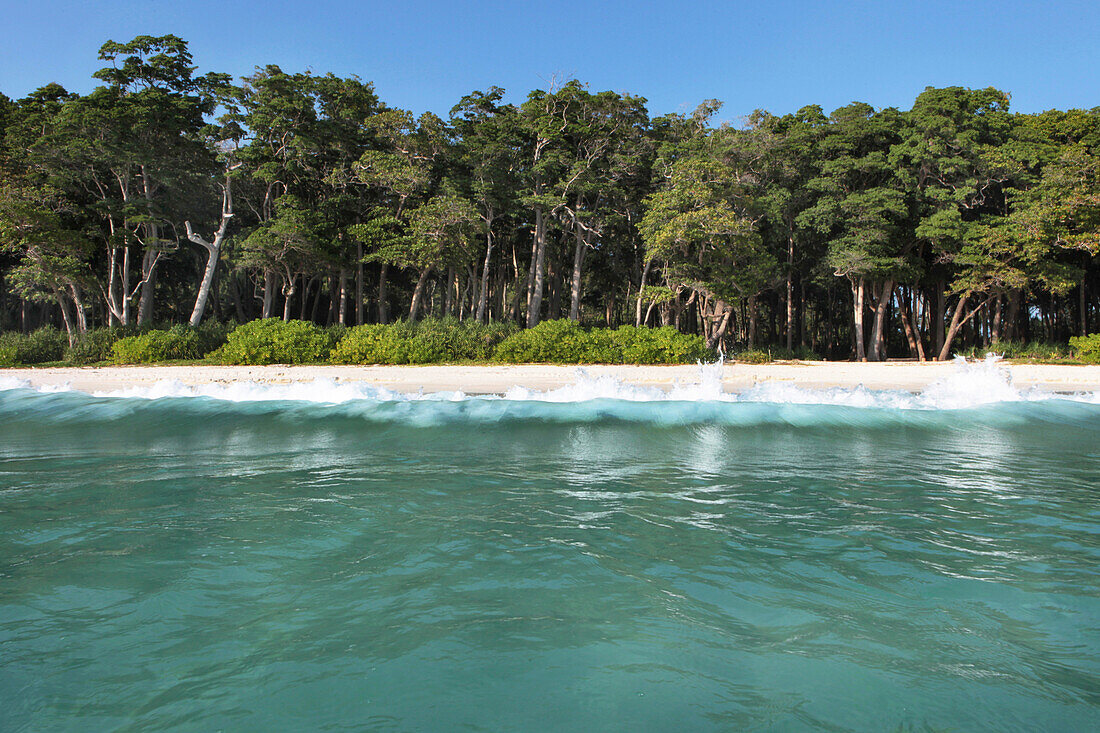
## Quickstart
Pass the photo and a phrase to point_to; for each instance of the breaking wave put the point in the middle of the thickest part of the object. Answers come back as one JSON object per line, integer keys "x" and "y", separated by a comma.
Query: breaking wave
{"x": 982, "y": 390}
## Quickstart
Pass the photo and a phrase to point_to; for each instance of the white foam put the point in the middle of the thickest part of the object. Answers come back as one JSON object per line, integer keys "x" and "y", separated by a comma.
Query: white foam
{"x": 7, "y": 383}
{"x": 971, "y": 384}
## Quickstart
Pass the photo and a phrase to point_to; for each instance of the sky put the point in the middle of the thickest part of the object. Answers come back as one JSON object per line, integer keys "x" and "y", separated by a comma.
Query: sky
{"x": 424, "y": 55}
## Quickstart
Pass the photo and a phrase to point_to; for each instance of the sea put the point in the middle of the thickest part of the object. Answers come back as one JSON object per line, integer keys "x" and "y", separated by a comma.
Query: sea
{"x": 601, "y": 557}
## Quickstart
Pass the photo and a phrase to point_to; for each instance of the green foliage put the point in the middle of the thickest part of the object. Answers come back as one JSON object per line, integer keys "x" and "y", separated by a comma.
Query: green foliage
{"x": 566, "y": 342}
{"x": 38, "y": 347}
{"x": 665, "y": 345}
{"x": 775, "y": 353}
{"x": 430, "y": 341}
{"x": 97, "y": 344}
{"x": 271, "y": 341}
{"x": 7, "y": 350}
{"x": 1087, "y": 348}
{"x": 1031, "y": 350}
{"x": 561, "y": 342}
{"x": 752, "y": 356}
{"x": 178, "y": 342}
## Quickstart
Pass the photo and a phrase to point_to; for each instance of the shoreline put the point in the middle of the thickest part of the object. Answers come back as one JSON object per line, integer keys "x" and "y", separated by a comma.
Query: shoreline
{"x": 497, "y": 379}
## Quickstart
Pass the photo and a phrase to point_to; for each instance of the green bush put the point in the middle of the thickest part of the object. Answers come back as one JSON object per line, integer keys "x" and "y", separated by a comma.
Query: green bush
{"x": 271, "y": 341}
{"x": 1086, "y": 348}
{"x": 430, "y": 341}
{"x": 97, "y": 345}
{"x": 1036, "y": 350}
{"x": 8, "y": 350}
{"x": 566, "y": 342}
{"x": 665, "y": 345}
{"x": 38, "y": 347}
{"x": 752, "y": 356}
{"x": 178, "y": 342}
{"x": 560, "y": 342}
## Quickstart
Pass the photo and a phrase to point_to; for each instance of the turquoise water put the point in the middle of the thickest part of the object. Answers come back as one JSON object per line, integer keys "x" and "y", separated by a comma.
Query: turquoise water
{"x": 190, "y": 563}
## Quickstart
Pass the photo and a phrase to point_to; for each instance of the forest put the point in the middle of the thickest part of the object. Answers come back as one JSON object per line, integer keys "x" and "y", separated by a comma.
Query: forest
{"x": 168, "y": 196}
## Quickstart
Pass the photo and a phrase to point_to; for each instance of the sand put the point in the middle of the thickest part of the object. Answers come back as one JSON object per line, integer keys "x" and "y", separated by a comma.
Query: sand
{"x": 910, "y": 376}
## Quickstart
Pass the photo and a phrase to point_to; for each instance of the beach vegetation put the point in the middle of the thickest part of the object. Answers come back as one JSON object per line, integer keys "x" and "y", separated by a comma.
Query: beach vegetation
{"x": 169, "y": 195}
{"x": 1086, "y": 348}
{"x": 430, "y": 341}
{"x": 41, "y": 346}
{"x": 179, "y": 342}
{"x": 275, "y": 341}
{"x": 566, "y": 342}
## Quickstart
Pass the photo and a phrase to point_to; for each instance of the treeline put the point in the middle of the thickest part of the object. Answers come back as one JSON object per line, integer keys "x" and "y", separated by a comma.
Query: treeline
{"x": 168, "y": 196}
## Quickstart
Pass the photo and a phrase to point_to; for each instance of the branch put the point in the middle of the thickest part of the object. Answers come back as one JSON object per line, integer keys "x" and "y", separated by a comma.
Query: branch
{"x": 196, "y": 238}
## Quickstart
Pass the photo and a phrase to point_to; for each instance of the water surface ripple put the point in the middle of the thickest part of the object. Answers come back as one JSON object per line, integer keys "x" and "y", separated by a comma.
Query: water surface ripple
{"x": 193, "y": 564}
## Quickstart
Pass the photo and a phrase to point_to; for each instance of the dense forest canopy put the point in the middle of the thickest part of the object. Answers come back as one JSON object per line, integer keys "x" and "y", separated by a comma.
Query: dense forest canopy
{"x": 168, "y": 196}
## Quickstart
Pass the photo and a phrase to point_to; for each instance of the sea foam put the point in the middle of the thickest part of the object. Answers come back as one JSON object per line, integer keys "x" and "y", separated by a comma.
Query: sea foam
{"x": 971, "y": 384}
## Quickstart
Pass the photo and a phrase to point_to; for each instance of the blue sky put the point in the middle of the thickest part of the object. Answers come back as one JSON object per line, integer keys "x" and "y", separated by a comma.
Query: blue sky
{"x": 425, "y": 54}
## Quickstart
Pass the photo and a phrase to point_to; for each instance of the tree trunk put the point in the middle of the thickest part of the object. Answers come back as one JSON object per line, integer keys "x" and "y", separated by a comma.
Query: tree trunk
{"x": 878, "y": 340}
{"x": 148, "y": 285}
{"x": 288, "y": 294}
{"x": 269, "y": 292}
{"x": 995, "y": 331}
{"x": 483, "y": 292}
{"x": 418, "y": 293}
{"x": 235, "y": 291}
{"x": 213, "y": 251}
{"x": 125, "y": 286}
{"x": 957, "y": 322}
{"x": 858, "y": 287}
{"x": 538, "y": 270}
{"x": 939, "y": 315}
{"x": 790, "y": 291}
{"x": 63, "y": 306}
{"x": 641, "y": 292}
{"x": 1083, "y": 327}
{"x": 358, "y": 283}
{"x": 575, "y": 283}
{"x": 912, "y": 330}
{"x": 342, "y": 314}
{"x": 78, "y": 309}
{"x": 752, "y": 322}
{"x": 719, "y": 333}
{"x": 1013, "y": 319}
{"x": 383, "y": 306}
{"x": 113, "y": 310}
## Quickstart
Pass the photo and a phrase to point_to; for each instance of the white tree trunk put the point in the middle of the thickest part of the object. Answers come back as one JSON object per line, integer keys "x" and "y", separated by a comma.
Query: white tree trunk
{"x": 213, "y": 251}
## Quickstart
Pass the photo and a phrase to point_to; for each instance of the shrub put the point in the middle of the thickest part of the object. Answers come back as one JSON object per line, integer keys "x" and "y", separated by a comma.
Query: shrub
{"x": 40, "y": 346}
{"x": 565, "y": 342}
{"x": 665, "y": 345}
{"x": 272, "y": 341}
{"x": 1036, "y": 350}
{"x": 96, "y": 345}
{"x": 752, "y": 356}
{"x": 1087, "y": 348}
{"x": 8, "y": 350}
{"x": 560, "y": 342}
{"x": 177, "y": 342}
{"x": 430, "y": 341}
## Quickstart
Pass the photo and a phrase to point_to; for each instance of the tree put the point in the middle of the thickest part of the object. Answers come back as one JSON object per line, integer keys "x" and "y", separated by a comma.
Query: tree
{"x": 490, "y": 153}
{"x": 288, "y": 244}
{"x": 699, "y": 226}
{"x": 439, "y": 232}
{"x": 154, "y": 109}
{"x": 861, "y": 207}
{"x": 51, "y": 256}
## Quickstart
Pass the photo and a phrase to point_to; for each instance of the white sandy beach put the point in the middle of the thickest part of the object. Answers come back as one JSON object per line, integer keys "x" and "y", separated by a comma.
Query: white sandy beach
{"x": 910, "y": 376}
